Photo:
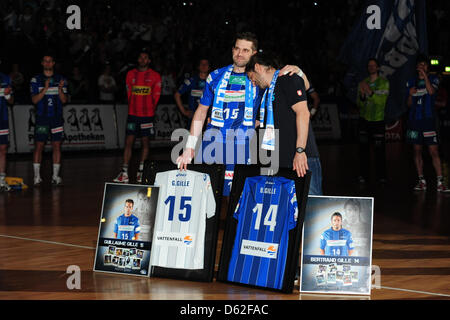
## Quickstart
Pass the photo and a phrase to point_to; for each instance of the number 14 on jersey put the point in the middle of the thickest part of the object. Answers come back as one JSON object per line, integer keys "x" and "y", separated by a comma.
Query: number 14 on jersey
{"x": 270, "y": 219}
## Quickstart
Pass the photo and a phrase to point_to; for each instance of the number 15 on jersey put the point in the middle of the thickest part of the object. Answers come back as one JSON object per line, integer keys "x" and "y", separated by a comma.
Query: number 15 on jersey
{"x": 185, "y": 208}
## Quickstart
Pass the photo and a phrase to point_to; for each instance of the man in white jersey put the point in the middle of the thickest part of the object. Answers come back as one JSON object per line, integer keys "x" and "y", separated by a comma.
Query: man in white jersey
{"x": 186, "y": 200}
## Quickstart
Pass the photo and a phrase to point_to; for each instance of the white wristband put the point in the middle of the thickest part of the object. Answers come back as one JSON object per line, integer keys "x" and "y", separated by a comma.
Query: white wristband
{"x": 191, "y": 142}
{"x": 313, "y": 111}
{"x": 300, "y": 73}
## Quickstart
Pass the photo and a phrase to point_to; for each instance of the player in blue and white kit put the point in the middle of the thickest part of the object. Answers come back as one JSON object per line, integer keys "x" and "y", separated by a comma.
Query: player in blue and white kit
{"x": 48, "y": 94}
{"x": 194, "y": 86}
{"x": 421, "y": 125}
{"x": 336, "y": 241}
{"x": 127, "y": 225}
{"x": 234, "y": 102}
{"x": 266, "y": 211}
{"x": 6, "y": 97}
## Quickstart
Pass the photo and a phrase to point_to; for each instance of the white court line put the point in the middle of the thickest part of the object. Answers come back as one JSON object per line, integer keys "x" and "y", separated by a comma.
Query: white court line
{"x": 415, "y": 291}
{"x": 50, "y": 242}
{"x": 93, "y": 248}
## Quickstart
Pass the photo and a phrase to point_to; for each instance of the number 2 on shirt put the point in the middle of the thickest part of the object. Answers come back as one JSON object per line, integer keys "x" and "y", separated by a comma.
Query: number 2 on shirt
{"x": 184, "y": 204}
{"x": 271, "y": 216}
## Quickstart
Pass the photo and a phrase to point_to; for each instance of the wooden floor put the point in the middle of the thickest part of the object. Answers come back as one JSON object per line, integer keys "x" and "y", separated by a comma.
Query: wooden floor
{"x": 44, "y": 230}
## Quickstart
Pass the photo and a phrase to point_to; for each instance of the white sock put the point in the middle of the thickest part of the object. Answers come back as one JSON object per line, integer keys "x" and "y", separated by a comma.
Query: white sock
{"x": 37, "y": 169}
{"x": 125, "y": 168}
{"x": 2, "y": 176}
{"x": 56, "y": 167}
{"x": 141, "y": 166}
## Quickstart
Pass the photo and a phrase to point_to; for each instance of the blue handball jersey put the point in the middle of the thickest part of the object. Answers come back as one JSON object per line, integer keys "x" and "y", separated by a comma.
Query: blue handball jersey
{"x": 5, "y": 82}
{"x": 234, "y": 99}
{"x": 50, "y": 105}
{"x": 127, "y": 227}
{"x": 266, "y": 211}
{"x": 422, "y": 111}
{"x": 194, "y": 86}
{"x": 336, "y": 243}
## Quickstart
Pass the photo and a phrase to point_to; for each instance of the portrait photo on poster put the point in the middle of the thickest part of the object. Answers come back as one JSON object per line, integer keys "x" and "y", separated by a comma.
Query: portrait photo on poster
{"x": 126, "y": 229}
{"x": 337, "y": 245}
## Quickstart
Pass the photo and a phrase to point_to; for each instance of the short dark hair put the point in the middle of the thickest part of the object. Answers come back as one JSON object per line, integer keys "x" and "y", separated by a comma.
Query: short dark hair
{"x": 336, "y": 214}
{"x": 262, "y": 58}
{"x": 48, "y": 54}
{"x": 249, "y": 36}
{"x": 422, "y": 58}
{"x": 375, "y": 60}
{"x": 145, "y": 51}
{"x": 130, "y": 201}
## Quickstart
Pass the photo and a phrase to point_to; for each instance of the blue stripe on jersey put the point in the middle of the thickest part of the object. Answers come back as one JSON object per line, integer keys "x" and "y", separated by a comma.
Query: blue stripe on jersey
{"x": 422, "y": 106}
{"x": 5, "y": 81}
{"x": 343, "y": 235}
{"x": 255, "y": 270}
{"x": 126, "y": 221}
{"x": 50, "y": 105}
{"x": 193, "y": 83}
{"x": 234, "y": 116}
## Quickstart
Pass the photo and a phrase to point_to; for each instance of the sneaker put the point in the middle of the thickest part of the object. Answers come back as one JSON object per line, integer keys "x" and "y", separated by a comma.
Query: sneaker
{"x": 122, "y": 177}
{"x": 4, "y": 186}
{"x": 37, "y": 181}
{"x": 139, "y": 177}
{"x": 56, "y": 181}
{"x": 421, "y": 186}
{"x": 441, "y": 187}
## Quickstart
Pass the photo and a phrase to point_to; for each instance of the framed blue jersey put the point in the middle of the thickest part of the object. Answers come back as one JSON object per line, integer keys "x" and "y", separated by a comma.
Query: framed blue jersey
{"x": 266, "y": 211}
{"x": 261, "y": 241}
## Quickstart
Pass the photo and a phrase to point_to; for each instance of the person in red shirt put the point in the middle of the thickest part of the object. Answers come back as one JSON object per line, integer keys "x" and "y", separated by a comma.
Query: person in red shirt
{"x": 143, "y": 89}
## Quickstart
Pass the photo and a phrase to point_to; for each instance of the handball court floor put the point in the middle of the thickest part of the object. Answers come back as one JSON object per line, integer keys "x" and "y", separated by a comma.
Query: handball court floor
{"x": 44, "y": 230}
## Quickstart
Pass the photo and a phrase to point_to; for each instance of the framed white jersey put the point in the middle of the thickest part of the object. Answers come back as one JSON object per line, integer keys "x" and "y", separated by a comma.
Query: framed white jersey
{"x": 186, "y": 201}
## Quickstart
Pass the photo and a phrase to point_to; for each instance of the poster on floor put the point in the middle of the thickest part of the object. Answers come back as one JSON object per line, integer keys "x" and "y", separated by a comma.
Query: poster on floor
{"x": 337, "y": 245}
{"x": 126, "y": 229}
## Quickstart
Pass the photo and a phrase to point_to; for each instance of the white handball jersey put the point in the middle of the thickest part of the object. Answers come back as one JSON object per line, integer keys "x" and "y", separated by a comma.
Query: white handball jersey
{"x": 185, "y": 201}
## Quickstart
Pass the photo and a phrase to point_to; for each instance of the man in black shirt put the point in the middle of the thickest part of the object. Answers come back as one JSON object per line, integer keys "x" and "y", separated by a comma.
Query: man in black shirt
{"x": 290, "y": 111}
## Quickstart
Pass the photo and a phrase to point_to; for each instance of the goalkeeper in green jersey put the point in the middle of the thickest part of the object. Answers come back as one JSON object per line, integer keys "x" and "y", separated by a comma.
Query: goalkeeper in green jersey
{"x": 372, "y": 95}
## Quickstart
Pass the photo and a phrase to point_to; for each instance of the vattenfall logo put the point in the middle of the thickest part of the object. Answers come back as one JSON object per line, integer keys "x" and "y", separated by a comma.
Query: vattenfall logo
{"x": 188, "y": 240}
{"x": 271, "y": 250}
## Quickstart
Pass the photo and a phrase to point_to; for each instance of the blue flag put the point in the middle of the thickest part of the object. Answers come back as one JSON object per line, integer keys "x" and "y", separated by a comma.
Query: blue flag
{"x": 396, "y": 41}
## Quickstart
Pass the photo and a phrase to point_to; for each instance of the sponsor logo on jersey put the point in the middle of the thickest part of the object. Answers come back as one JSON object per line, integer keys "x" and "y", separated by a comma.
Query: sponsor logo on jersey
{"x": 187, "y": 240}
{"x": 240, "y": 80}
{"x": 196, "y": 93}
{"x": 234, "y": 96}
{"x": 229, "y": 175}
{"x": 271, "y": 250}
{"x": 174, "y": 239}
{"x": 141, "y": 90}
{"x": 259, "y": 249}
{"x": 299, "y": 92}
{"x": 336, "y": 243}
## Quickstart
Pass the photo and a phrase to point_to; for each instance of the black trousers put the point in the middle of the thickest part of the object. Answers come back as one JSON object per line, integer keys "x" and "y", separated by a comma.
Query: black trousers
{"x": 372, "y": 134}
